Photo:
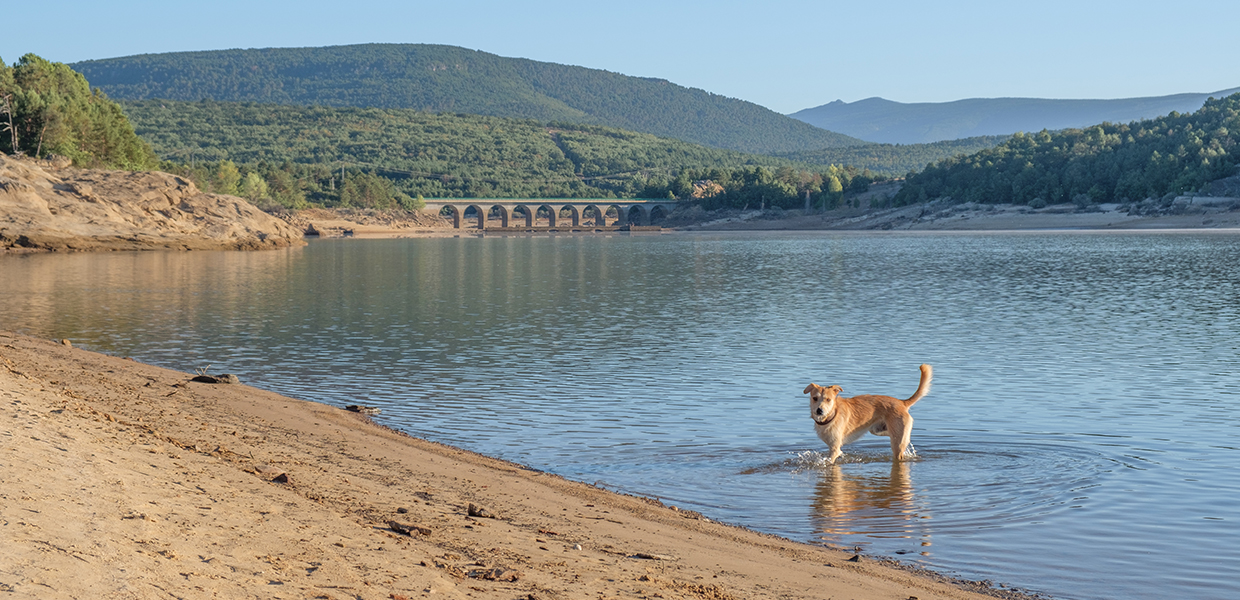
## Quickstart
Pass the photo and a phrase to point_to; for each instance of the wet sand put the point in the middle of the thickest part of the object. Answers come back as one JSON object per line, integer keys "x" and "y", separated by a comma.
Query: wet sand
{"x": 124, "y": 480}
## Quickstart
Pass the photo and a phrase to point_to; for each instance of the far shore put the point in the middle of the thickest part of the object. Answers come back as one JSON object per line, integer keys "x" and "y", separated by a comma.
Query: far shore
{"x": 121, "y": 479}
{"x": 924, "y": 217}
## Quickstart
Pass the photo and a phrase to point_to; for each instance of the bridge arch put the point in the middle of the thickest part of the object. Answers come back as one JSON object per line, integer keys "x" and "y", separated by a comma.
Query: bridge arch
{"x": 656, "y": 214}
{"x": 526, "y": 210}
{"x": 479, "y": 214}
{"x": 552, "y": 213}
{"x": 454, "y": 213}
{"x": 638, "y": 214}
{"x": 600, "y": 214}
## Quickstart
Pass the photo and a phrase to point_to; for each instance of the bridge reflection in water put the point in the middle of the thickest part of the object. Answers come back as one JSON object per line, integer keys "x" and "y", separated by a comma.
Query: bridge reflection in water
{"x": 551, "y": 213}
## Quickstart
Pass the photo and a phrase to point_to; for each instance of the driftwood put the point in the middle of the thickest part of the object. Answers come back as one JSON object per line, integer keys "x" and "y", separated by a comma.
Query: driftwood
{"x": 221, "y": 378}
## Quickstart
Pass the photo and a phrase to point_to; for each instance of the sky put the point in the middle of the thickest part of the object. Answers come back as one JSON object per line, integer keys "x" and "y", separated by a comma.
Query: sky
{"x": 786, "y": 55}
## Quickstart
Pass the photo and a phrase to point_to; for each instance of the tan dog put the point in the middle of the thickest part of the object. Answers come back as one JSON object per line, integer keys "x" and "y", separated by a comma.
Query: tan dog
{"x": 840, "y": 421}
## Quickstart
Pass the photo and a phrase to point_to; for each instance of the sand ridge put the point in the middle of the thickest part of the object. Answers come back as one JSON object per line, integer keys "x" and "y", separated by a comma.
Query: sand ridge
{"x": 124, "y": 480}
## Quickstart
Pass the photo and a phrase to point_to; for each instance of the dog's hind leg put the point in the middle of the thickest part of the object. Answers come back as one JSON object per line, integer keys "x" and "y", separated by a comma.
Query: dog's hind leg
{"x": 901, "y": 431}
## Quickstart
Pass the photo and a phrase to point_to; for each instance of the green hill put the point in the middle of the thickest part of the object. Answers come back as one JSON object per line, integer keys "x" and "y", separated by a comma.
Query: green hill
{"x": 433, "y": 154}
{"x": 1174, "y": 154}
{"x": 293, "y": 155}
{"x": 439, "y": 78}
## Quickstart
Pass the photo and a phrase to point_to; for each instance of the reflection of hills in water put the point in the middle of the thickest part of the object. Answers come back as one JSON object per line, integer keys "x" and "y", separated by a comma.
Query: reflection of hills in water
{"x": 106, "y": 300}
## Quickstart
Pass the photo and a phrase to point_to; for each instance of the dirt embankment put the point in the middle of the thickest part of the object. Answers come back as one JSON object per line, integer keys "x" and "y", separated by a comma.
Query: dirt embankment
{"x": 1218, "y": 210}
{"x": 975, "y": 217}
{"x": 48, "y": 206}
{"x": 340, "y": 222}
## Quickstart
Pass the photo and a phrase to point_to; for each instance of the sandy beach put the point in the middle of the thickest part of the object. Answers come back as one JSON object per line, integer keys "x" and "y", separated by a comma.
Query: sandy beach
{"x": 125, "y": 480}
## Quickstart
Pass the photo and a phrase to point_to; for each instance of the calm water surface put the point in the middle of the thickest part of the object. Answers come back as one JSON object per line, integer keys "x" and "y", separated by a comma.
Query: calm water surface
{"x": 1081, "y": 438}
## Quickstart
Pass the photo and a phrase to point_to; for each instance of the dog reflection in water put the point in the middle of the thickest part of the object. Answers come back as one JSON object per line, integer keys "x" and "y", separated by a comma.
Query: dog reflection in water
{"x": 849, "y": 503}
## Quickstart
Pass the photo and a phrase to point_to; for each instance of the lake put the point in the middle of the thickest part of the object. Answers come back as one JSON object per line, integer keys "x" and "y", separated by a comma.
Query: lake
{"x": 1081, "y": 438}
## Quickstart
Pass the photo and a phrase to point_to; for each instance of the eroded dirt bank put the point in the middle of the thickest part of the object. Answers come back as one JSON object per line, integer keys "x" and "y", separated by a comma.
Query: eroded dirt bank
{"x": 49, "y": 206}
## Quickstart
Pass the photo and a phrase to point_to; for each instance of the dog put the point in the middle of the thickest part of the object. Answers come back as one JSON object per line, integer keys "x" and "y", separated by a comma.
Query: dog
{"x": 840, "y": 421}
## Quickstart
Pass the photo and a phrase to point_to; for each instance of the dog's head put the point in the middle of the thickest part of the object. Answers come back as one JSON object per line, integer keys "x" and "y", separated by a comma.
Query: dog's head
{"x": 822, "y": 402}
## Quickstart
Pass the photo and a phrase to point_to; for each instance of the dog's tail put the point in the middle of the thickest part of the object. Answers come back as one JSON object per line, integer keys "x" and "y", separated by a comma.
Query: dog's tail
{"x": 923, "y": 388}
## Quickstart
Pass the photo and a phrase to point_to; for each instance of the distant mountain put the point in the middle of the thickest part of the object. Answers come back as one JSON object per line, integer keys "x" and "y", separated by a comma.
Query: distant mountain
{"x": 437, "y": 78}
{"x": 884, "y": 121}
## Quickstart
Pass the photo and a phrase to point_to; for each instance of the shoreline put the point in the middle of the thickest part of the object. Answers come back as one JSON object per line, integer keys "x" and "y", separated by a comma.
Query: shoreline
{"x": 931, "y": 217}
{"x": 125, "y": 479}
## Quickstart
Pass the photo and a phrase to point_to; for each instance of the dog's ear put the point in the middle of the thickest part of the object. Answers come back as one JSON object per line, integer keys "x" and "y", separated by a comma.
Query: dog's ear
{"x": 835, "y": 388}
{"x": 809, "y": 387}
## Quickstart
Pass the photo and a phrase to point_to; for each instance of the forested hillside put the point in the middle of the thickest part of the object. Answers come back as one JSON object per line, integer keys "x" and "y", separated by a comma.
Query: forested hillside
{"x": 1174, "y": 154}
{"x": 294, "y": 155}
{"x": 47, "y": 108}
{"x": 433, "y": 154}
{"x": 450, "y": 79}
{"x": 895, "y": 160}
{"x": 885, "y": 121}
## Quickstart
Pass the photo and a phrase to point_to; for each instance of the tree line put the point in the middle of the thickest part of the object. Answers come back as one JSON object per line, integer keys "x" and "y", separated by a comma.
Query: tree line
{"x": 896, "y": 160}
{"x": 47, "y": 108}
{"x": 297, "y": 186}
{"x": 1171, "y": 155}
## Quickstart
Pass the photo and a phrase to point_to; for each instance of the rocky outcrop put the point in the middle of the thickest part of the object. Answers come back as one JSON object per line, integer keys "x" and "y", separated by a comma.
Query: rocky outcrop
{"x": 46, "y": 206}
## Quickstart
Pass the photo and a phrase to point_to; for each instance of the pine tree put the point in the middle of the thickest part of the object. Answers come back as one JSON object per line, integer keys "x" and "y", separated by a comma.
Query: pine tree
{"x": 52, "y": 110}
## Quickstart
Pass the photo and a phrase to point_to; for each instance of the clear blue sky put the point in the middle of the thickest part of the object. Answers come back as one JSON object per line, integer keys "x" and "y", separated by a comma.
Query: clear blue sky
{"x": 783, "y": 54}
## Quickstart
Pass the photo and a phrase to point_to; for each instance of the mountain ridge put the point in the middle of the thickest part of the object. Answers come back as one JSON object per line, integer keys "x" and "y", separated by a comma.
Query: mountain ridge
{"x": 886, "y": 121}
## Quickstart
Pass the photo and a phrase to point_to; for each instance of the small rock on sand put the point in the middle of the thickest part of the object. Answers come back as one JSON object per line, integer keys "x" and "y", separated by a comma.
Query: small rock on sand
{"x": 478, "y": 511}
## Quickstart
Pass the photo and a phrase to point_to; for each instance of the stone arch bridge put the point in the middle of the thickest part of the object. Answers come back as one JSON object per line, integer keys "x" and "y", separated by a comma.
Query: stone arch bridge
{"x": 552, "y": 213}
